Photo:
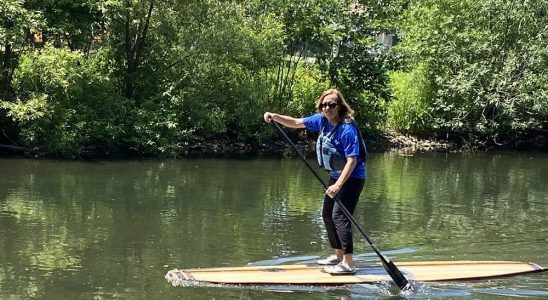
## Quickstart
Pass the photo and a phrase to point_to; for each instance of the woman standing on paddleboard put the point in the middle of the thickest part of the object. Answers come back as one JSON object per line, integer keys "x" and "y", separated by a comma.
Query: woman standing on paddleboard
{"x": 341, "y": 151}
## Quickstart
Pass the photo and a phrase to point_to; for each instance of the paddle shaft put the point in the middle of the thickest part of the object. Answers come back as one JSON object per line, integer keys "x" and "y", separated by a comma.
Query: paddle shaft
{"x": 391, "y": 269}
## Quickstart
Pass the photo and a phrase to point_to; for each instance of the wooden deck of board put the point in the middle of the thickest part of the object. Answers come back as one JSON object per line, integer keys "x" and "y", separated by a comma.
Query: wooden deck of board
{"x": 314, "y": 274}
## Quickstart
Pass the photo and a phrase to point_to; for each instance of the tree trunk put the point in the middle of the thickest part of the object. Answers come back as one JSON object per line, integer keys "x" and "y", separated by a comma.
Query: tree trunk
{"x": 6, "y": 91}
{"x": 134, "y": 50}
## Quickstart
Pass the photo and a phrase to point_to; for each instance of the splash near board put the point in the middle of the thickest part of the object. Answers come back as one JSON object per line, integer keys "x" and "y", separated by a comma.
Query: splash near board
{"x": 314, "y": 274}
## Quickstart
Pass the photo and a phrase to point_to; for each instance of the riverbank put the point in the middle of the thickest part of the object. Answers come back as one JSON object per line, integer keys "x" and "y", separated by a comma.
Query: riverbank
{"x": 386, "y": 142}
{"x": 383, "y": 142}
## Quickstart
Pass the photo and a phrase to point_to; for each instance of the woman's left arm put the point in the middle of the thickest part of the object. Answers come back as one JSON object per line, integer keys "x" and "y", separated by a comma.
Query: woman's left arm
{"x": 347, "y": 170}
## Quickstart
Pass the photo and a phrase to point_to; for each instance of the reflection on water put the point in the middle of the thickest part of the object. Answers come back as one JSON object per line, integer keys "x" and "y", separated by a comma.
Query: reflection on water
{"x": 112, "y": 229}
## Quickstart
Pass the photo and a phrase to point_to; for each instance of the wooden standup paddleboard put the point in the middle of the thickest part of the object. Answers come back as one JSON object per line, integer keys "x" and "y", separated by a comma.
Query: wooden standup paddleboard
{"x": 314, "y": 274}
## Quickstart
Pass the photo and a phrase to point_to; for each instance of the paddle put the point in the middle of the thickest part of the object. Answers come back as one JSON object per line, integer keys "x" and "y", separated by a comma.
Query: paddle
{"x": 388, "y": 265}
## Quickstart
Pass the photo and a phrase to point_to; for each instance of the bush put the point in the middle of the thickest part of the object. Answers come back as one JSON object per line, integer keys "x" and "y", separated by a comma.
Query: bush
{"x": 412, "y": 95}
{"x": 308, "y": 88}
{"x": 488, "y": 65}
{"x": 65, "y": 102}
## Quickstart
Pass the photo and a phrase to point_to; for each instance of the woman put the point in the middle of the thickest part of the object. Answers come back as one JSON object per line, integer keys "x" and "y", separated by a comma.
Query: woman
{"x": 341, "y": 151}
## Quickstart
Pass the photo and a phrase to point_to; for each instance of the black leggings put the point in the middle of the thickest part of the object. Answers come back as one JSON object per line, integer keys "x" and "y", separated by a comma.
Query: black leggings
{"x": 337, "y": 224}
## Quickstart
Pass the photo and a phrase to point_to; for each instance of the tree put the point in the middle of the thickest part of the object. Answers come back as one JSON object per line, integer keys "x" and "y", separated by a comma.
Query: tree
{"x": 487, "y": 60}
{"x": 17, "y": 25}
{"x": 65, "y": 102}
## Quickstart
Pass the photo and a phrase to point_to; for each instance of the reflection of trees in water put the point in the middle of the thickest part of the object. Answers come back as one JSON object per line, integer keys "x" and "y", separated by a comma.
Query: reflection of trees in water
{"x": 430, "y": 198}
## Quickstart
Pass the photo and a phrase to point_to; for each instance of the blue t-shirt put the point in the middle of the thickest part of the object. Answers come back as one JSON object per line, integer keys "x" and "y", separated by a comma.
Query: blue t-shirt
{"x": 345, "y": 139}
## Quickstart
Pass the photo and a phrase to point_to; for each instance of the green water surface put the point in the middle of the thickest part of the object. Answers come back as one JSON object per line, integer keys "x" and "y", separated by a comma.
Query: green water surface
{"x": 112, "y": 229}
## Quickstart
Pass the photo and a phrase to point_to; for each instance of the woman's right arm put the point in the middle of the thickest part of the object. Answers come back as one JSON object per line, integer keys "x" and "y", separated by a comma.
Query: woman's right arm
{"x": 284, "y": 120}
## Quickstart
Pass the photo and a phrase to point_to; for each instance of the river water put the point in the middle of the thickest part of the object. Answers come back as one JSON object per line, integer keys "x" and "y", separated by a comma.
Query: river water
{"x": 112, "y": 229}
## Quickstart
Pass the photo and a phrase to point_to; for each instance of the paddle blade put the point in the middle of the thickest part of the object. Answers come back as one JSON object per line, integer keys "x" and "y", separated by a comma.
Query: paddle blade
{"x": 395, "y": 274}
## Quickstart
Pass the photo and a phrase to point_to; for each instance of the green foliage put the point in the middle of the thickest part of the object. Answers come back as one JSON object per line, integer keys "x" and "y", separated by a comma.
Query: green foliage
{"x": 154, "y": 77}
{"x": 219, "y": 58}
{"x": 16, "y": 24}
{"x": 68, "y": 23}
{"x": 412, "y": 91}
{"x": 308, "y": 87}
{"x": 488, "y": 63}
{"x": 65, "y": 102}
{"x": 356, "y": 63}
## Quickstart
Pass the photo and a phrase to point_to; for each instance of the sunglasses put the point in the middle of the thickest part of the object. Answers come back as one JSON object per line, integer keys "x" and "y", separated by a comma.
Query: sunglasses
{"x": 330, "y": 105}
